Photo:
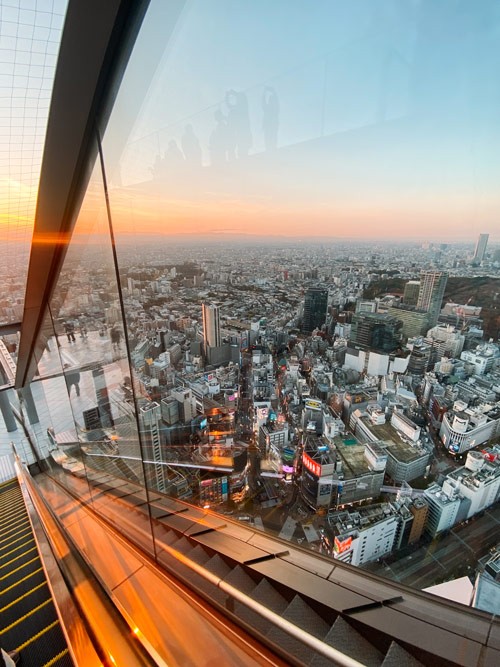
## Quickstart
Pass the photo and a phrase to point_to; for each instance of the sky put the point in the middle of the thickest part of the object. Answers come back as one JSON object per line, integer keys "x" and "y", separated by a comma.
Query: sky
{"x": 30, "y": 33}
{"x": 386, "y": 120}
{"x": 382, "y": 120}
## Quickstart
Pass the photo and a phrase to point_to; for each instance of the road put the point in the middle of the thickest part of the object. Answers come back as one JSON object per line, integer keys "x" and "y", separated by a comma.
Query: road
{"x": 448, "y": 556}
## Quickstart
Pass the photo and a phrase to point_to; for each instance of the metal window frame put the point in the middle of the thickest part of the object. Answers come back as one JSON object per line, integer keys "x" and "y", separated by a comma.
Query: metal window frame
{"x": 96, "y": 42}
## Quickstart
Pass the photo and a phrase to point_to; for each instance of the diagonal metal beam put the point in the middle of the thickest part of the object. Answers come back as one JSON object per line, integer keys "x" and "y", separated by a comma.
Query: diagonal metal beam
{"x": 96, "y": 39}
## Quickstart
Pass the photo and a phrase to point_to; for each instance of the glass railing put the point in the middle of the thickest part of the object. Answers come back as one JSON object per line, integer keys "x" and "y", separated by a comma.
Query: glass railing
{"x": 201, "y": 344}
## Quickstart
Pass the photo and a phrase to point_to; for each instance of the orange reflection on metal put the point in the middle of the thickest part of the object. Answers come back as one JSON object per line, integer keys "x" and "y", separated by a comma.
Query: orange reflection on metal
{"x": 51, "y": 238}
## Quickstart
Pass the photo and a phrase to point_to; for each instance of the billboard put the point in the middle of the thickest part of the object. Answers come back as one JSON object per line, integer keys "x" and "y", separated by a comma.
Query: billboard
{"x": 214, "y": 491}
{"x": 311, "y": 465}
{"x": 340, "y": 546}
{"x": 262, "y": 413}
{"x": 312, "y": 404}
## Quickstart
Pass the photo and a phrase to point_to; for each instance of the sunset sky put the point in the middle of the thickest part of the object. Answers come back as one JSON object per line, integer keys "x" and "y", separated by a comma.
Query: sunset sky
{"x": 388, "y": 124}
{"x": 389, "y": 121}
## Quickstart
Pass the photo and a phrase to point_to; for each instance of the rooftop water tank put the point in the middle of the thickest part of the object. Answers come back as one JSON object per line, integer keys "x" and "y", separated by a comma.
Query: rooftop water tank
{"x": 475, "y": 461}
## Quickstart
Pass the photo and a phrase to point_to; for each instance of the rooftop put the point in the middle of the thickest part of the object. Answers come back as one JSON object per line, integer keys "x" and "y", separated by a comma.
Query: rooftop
{"x": 405, "y": 452}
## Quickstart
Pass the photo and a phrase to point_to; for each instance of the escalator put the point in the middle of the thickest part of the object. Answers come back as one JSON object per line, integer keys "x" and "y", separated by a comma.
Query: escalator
{"x": 28, "y": 619}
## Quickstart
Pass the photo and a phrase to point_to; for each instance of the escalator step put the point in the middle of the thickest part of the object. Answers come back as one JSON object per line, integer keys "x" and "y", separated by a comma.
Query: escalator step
{"x": 397, "y": 656}
{"x": 27, "y": 566}
{"x": 218, "y": 566}
{"x": 268, "y": 596}
{"x": 41, "y": 648}
{"x": 241, "y": 580}
{"x": 35, "y": 596}
{"x": 183, "y": 545}
{"x": 303, "y": 616}
{"x": 31, "y": 623}
{"x": 346, "y": 639}
{"x": 17, "y": 548}
{"x": 199, "y": 555}
{"x": 21, "y": 586}
{"x": 28, "y": 619}
{"x": 62, "y": 659}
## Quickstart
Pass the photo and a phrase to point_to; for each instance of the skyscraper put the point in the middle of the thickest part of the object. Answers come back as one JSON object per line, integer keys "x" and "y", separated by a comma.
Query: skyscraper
{"x": 376, "y": 331}
{"x": 315, "y": 304}
{"x": 149, "y": 419}
{"x": 430, "y": 295}
{"x": 480, "y": 250}
{"x": 412, "y": 289}
{"x": 211, "y": 325}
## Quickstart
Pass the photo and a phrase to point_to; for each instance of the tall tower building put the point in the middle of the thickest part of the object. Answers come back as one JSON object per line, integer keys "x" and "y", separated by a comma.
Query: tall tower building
{"x": 149, "y": 419}
{"x": 431, "y": 292}
{"x": 211, "y": 325}
{"x": 412, "y": 289}
{"x": 315, "y": 305}
{"x": 480, "y": 250}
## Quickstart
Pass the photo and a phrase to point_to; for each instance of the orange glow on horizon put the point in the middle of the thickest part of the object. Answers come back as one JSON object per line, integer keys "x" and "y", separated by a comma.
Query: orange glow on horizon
{"x": 140, "y": 213}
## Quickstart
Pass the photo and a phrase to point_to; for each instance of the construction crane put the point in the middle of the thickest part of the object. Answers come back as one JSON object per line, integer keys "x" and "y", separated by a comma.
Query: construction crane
{"x": 461, "y": 314}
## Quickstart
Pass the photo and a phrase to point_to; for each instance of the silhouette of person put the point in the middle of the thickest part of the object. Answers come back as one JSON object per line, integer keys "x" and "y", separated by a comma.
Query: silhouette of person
{"x": 270, "y": 118}
{"x": 72, "y": 378}
{"x": 156, "y": 169}
{"x": 115, "y": 337}
{"x": 238, "y": 123}
{"x": 191, "y": 146}
{"x": 218, "y": 140}
{"x": 69, "y": 328}
{"x": 173, "y": 154}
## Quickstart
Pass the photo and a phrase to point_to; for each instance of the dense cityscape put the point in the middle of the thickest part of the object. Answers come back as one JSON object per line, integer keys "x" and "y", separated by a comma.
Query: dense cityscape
{"x": 335, "y": 394}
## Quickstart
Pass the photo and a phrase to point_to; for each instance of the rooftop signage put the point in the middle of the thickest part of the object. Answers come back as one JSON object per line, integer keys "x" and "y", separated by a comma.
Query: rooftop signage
{"x": 311, "y": 465}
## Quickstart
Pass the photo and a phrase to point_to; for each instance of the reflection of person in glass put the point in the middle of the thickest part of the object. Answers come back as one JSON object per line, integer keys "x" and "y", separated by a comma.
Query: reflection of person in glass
{"x": 270, "y": 118}
{"x": 238, "y": 124}
{"x": 173, "y": 154}
{"x": 115, "y": 336}
{"x": 191, "y": 146}
{"x": 218, "y": 142}
{"x": 72, "y": 378}
{"x": 69, "y": 328}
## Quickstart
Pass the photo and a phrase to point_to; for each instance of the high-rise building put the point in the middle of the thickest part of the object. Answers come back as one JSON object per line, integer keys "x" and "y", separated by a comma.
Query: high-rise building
{"x": 149, "y": 419}
{"x": 414, "y": 322}
{"x": 315, "y": 305}
{"x": 376, "y": 331}
{"x": 211, "y": 325}
{"x": 412, "y": 289}
{"x": 186, "y": 404}
{"x": 480, "y": 250}
{"x": 431, "y": 292}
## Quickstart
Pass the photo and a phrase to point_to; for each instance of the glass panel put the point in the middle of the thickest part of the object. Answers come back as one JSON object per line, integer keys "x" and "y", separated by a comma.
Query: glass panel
{"x": 29, "y": 41}
{"x": 266, "y": 164}
{"x": 83, "y": 394}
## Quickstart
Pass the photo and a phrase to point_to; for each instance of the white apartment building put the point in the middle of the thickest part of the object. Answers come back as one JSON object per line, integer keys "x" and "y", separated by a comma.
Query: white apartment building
{"x": 364, "y": 536}
{"x": 483, "y": 358}
{"x": 447, "y": 340}
{"x": 443, "y": 509}
{"x": 478, "y": 480}
{"x": 460, "y": 431}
